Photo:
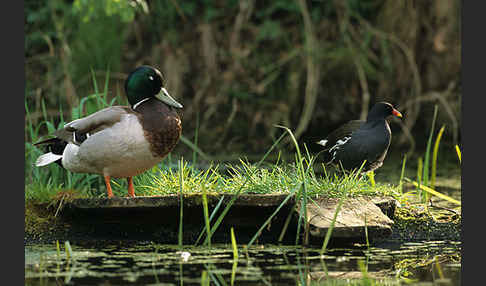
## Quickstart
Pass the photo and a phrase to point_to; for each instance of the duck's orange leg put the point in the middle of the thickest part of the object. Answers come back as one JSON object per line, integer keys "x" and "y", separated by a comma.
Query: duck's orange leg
{"x": 108, "y": 186}
{"x": 131, "y": 190}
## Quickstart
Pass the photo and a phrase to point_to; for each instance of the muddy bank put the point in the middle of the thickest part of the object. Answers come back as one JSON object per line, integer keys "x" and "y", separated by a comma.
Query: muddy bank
{"x": 157, "y": 219}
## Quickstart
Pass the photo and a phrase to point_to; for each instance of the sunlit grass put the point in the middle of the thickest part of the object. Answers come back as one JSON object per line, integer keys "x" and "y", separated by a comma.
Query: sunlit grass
{"x": 425, "y": 185}
{"x": 244, "y": 177}
{"x": 458, "y": 152}
{"x": 276, "y": 179}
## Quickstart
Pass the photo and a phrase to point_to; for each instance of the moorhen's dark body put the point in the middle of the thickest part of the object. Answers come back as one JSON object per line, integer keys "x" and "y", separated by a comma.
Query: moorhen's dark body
{"x": 360, "y": 140}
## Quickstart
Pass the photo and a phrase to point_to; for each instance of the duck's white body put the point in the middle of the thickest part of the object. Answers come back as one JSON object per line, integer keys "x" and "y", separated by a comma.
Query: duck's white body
{"x": 119, "y": 151}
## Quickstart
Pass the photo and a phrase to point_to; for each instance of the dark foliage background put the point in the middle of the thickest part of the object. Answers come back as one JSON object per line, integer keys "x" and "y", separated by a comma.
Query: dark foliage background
{"x": 240, "y": 67}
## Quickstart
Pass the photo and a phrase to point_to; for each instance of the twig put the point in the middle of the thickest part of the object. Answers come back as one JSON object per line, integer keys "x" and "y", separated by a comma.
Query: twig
{"x": 35, "y": 115}
{"x": 179, "y": 10}
{"x": 313, "y": 71}
{"x": 246, "y": 8}
{"x": 65, "y": 55}
{"x": 417, "y": 82}
{"x": 244, "y": 13}
{"x": 343, "y": 24}
{"x": 442, "y": 208}
{"x": 409, "y": 136}
{"x": 441, "y": 97}
{"x": 230, "y": 119}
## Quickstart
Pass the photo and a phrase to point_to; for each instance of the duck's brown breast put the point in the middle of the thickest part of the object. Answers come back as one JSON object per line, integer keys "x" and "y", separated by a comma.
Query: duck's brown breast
{"x": 161, "y": 124}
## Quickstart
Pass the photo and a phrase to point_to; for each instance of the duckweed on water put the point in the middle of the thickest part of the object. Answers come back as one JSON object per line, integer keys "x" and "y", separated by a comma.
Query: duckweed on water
{"x": 148, "y": 263}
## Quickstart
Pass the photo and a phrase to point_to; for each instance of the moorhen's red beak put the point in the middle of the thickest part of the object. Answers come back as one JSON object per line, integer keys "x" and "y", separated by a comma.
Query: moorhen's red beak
{"x": 397, "y": 113}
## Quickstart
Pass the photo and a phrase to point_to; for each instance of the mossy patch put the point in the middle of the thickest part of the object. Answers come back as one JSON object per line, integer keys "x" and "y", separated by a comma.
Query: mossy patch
{"x": 41, "y": 218}
{"x": 38, "y": 220}
{"x": 413, "y": 223}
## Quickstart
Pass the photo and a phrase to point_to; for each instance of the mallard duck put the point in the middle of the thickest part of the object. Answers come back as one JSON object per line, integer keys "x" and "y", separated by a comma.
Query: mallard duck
{"x": 120, "y": 141}
{"x": 360, "y": 140}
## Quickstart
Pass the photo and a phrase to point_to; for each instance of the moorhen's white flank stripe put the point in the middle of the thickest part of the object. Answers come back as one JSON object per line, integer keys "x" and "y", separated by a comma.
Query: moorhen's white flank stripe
{"x": 338, "y": 145}
{"x": 322, "y": 142}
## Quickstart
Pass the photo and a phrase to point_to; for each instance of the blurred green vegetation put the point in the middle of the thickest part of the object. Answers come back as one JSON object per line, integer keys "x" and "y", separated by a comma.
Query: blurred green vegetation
{"x": 241, "y": 67}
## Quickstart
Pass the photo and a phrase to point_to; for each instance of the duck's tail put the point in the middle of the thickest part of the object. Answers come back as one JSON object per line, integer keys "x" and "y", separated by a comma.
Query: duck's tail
{"x": 54, "y": 148}
{"x": 47, "y": 158}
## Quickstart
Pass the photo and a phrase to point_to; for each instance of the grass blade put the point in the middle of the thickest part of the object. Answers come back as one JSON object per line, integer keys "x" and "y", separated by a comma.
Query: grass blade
{"x": 105, "y": 89}
{"x": 439, "y": 269}
{"x": 235, "y": 255}
{"x": 213, "y": 213}
{"x": 233, "y": 244}
{"x": 181, "y": 197}
{"x": 30, "y": 124}
{"x": 419, "y": 177}
{"x": 206, "y": 217}
{"x": 233, "y": 272}
{"x": 286, "y": 225}
{"x": 458, "y": 152}
{"x": 269, "y": 219}
{"x": 425, "y": 178}
{"x": 371, "y": 176}
{"x": 69, "y": 251}
{"x": 58, "y": 250}
{"x": 402, "y": 173}
{"x": 204, "y": 278}
{"x": 302, "y": 195}
{"x": 434, "y": 157}
{"x": 338, "y": 209}
{"x": 434, "y": 192}
{"x": 331, "y": 227}
{"x": 195, "y": 148}
{"x": 196, "y": 132}
{"x": 366, "y": 234}
{"x": 95, "y": 86}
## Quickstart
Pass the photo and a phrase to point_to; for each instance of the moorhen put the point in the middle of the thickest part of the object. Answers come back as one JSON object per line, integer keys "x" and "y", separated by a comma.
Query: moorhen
{"x": 360, "y": 140}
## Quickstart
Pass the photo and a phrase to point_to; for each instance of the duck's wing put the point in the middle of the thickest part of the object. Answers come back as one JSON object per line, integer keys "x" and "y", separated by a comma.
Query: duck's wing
{"x": 50, "y": 139}
{"x": 341, "y": 133}
{"x": 78, "y": 130}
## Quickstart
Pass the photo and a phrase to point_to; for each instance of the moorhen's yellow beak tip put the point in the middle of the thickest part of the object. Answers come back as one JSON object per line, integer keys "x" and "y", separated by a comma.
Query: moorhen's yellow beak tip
{"x": 397, "y": 113}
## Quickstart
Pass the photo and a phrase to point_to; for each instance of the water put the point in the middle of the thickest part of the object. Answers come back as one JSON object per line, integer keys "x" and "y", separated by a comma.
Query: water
{"x": 154, "y": 264}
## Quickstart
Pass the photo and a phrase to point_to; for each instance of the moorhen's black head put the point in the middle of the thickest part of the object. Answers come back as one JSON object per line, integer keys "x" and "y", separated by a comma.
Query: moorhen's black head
{"x": 382, "y": 110}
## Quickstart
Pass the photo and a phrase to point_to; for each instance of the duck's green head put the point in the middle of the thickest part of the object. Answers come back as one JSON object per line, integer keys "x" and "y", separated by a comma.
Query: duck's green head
{"x": 147, "y": 82}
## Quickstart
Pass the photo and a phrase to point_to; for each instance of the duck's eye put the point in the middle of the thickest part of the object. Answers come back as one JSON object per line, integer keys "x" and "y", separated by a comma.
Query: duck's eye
{"x": 151, "y": 77}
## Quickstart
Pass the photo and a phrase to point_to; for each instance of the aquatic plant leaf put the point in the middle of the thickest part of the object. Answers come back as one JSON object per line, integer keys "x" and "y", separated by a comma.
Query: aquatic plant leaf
{"x": 434, "y": 192}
